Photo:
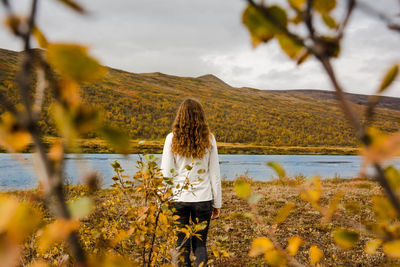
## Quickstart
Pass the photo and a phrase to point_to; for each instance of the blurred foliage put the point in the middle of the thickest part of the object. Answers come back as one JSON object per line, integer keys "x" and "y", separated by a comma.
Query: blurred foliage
{"x": 137, "y": 225}
{"x": 266, "y": 22}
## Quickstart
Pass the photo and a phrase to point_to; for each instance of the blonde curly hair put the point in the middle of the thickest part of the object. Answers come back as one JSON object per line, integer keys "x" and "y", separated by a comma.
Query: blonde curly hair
{"x": 191, "y": 134}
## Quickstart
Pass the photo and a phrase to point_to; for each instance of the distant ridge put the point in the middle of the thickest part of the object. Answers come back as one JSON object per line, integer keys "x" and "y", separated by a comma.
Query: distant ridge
{"x": 212, "y": 78}
{"x": 388, "y": 102}
{"x": 145, "y": 104}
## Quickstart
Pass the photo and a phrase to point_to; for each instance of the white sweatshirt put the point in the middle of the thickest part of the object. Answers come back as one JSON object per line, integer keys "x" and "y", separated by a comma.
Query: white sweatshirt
{"x": 204, "y": 176}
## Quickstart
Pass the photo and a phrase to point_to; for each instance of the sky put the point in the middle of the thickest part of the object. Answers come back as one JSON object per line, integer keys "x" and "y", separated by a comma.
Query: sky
{"x": 196, "y": 37}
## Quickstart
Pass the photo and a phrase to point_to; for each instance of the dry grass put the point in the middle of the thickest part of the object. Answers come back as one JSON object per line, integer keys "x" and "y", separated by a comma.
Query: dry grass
{"x": 236, "y": 231}
{"x": 303, "y": 221}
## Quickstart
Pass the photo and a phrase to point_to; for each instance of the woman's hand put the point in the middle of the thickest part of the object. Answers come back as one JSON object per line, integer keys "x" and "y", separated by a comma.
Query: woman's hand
{"x": 215, "y": 213}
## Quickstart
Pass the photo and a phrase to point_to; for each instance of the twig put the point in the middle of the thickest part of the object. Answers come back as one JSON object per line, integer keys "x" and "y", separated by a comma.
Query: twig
{"x": 153, "y": 237}
{"x": 350, "y": 7}
{"x": 370, "y": 112}
{"x": 309, "y": 19}
{"x": 370, "y": 10}
{"x": 31, "y": 24}
{"x": 347, "y": 109}
{"x": 40, "y": 89}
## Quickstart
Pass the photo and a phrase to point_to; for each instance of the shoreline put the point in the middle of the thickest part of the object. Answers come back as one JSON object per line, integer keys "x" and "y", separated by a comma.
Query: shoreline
{"x": 100, "y": 146}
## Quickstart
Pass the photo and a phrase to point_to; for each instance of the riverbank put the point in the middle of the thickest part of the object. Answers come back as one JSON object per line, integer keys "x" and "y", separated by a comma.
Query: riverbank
{"x": 156, "y": 146}
{"x": 235, "y": 231}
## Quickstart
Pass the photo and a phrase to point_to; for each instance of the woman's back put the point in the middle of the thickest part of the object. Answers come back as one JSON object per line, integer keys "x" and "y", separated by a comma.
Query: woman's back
{"x": 190, "y": 159}
{"x": 200, "y": 176}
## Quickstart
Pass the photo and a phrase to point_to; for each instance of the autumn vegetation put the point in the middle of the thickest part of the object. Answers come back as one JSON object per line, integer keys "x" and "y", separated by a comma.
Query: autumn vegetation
{"x": 60, "y": 93}
{"x": 145, "y": 104}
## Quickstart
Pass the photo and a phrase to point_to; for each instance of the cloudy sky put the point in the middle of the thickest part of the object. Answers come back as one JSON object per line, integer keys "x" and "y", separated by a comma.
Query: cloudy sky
{"x": 197, "y": 37}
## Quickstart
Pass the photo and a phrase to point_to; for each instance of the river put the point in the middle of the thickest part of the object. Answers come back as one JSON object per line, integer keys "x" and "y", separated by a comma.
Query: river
{"x": 17, "y": 171}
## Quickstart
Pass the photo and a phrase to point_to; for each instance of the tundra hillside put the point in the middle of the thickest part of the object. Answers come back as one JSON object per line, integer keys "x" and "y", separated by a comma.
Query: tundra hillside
{"x": 145, "y": 104}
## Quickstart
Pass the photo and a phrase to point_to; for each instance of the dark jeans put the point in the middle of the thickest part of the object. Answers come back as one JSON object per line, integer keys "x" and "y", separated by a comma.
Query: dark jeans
{"x": 194, "y": 210}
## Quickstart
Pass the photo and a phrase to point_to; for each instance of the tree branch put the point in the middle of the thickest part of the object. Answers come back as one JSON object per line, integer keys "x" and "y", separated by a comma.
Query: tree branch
{"x": 370, "y": 10}
{"x": 31, "y": 24}
{"x": 52, "y": 174}
{"x": 295, "y": 38}
{"x": 380, "y": 175}
{"x": 350, "y": 7}
{"x": 309, "y": 19}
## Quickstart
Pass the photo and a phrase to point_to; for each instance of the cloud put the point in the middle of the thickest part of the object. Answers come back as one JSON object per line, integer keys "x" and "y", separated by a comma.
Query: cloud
{"x": 193, "y": 38}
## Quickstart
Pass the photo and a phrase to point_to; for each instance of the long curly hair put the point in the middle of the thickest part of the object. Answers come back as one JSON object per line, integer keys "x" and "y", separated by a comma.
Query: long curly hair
{"x": 191, "y": 134}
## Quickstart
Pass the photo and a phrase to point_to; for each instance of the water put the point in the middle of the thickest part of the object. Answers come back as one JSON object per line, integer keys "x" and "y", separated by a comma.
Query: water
{"x": 17, "y": 172}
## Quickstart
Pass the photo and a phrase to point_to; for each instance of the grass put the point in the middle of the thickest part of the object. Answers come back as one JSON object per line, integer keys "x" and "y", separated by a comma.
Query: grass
{"x": 236, "y": 231}
{"x": 95, "y": 145}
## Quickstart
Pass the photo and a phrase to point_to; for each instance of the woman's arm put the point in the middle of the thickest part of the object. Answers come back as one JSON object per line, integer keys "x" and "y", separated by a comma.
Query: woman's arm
{"x": 167, "y": 160}
{"x": 215, "y": 175}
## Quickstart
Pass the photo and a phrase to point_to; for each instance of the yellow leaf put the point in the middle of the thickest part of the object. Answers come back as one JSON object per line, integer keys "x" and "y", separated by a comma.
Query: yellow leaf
{"x": 382, "y": 147}
{"x": 215, "y": 252}
{"x": 259, "y": 246}
{"x": 110, "y": 260}
{"x": 8, "y": 206}
{"x": 275, "y": 258}
{"x": 345, "y": 238}
{"x": 393, "y": 176}
{"x": 383, "y": 208}
{"x": 294, "y": 243}
{"x": 118, "y": 139}
{"x": 280, "y": 171}
{"x": 73, "y": 5}
{"x": 57, "y": 231}
{"x": 303, "y": 57}
{"x": 372, "y": 245}
{"x": 284, "y": 212}
{"x": 324, "y": 6}
{"x": 12, "y": 136}
{"x": 297, "y": 4}
{"x": 329, "y": 21}
{"x": 56, "y": 151}
{"x": 289, "y": 46}
{"x": 70, "y": 92}
{"x": 14, "y": 217}
{"x": 24, "y": 221}
{"x": 315, "y": 254}
{"x": 312, "y": 193}
{"x": 72, "y": 61}
{"x": 38, "y": 263}
{"x": 261, "y": 28}
{"x": 163, "y": 219}
{"x": 389, "y": 78}
{"x": 81, "y": 207}
{"x": 41, "y": 39}
{"x": 242, "y": 189}
{"x": 392, "y": 248}
{"x": 64, "y": 120}
{"x": 121, "y": 235}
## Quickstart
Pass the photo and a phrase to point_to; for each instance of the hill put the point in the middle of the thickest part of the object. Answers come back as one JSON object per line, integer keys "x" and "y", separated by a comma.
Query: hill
{"x": 145, "y": 104}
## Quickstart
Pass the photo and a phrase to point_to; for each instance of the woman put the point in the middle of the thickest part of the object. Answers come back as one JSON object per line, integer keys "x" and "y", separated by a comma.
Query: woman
{"x": 190, "y": 155}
